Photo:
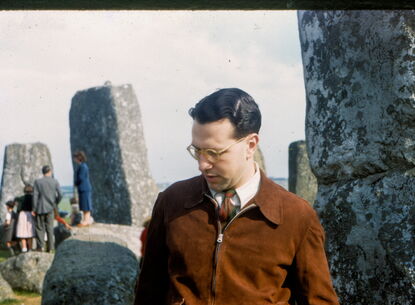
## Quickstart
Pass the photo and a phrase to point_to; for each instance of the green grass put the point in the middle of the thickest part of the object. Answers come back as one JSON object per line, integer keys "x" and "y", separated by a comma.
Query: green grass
{"x": 4, "y": 254}
{"x": 11, "y": 302}
{"x": 26, "y": 294}
{"x": 22, "y": 296}
{"x": 65, "y": 205}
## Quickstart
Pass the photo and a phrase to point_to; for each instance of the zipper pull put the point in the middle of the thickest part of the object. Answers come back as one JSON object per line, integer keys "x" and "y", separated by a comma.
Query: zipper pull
{"x": 220, "y": 238}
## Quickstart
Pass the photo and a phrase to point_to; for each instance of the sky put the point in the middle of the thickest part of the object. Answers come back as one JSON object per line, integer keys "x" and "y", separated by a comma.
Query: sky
{"x": 171, "y": 58}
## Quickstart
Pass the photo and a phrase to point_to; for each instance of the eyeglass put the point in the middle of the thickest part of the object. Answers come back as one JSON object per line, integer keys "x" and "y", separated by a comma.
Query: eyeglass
{"x": 210, "y": 154}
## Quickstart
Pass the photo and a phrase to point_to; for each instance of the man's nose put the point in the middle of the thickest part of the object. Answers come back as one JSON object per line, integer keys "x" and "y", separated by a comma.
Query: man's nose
{"x": 204, "y": 164}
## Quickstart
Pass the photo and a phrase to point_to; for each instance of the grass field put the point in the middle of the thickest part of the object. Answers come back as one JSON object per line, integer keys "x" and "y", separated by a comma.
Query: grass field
{"x": 4, "y": 254}
{"x": 23, "y": 297}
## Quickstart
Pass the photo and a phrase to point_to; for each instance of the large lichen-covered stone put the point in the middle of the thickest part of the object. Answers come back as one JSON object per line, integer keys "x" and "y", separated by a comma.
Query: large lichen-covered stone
{"x": 27, "y": 270}
{"x": 6, "y": 292}
{"x": 359, "y": 79}
{"x": 301, "y": 180}
{"x": 105, "y": 122}
{"x": 91, "y": 269}
{"x": 22, "y": 165}
{"x": 369, "y": 226}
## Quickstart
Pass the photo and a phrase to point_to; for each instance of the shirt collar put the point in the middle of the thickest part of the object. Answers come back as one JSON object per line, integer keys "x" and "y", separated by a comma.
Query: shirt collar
{"x": 244, "y": 193}
{"x": 269, "y": 198}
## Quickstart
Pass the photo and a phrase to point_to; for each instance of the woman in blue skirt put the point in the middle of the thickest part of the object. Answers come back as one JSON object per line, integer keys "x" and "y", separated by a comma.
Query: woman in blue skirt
{"x": 82, "y": 183}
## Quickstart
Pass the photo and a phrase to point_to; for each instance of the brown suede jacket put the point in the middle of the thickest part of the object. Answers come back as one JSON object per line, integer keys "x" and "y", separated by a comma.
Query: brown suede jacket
{"x": 271, "y": 252}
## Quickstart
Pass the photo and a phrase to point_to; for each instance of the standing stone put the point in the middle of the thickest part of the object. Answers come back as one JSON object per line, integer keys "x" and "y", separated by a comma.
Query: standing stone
{"x": 106, "y": 124}
{"x": 360, "y": 86}
{"x": 91, "y": 269}
{"x": 301, "y": 180}
{"x": 259, "y": 158}
{"x": 22, "y": 165}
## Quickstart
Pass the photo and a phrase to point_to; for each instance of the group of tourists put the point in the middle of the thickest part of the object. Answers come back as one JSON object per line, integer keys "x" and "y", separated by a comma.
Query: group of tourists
{"x": 32, "y": 215}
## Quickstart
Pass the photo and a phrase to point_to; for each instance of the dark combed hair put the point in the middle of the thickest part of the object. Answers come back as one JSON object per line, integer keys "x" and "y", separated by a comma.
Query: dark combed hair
{"x": 46, "y": 169}
{"x": 28, "y": 189}
{"x": 231, "y": 103}
{"x": 10, "y": 203}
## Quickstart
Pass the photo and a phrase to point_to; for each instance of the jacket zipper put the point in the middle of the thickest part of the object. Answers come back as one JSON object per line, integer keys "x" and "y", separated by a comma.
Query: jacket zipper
{"x": 219, "y": 240}
{"x": 217, "y": 246}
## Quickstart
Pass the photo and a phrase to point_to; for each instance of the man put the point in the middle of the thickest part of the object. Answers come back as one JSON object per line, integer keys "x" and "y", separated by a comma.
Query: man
{"x": 231, "y": 235}
{"x": 46, "y": 196}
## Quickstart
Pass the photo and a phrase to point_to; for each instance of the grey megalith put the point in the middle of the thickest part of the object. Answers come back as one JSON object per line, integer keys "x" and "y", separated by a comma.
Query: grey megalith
{"x": 359, "y": 76}
{"x": 301, "y": 180}
{"x": 22, "y": 165}
{"x": 105, "y": 123}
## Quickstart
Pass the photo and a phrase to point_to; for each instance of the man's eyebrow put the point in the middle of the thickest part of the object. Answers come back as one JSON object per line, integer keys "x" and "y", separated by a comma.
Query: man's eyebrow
{"x": 204, "y": 148}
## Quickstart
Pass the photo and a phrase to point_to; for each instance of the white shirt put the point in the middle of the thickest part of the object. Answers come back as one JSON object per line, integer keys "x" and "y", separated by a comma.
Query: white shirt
{"x": 8, "y": 216}
{"x": 243, "y": 193}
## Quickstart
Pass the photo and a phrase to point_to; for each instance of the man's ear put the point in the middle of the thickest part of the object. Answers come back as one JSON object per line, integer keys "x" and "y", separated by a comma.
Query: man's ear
{"x": 253, "y": 140}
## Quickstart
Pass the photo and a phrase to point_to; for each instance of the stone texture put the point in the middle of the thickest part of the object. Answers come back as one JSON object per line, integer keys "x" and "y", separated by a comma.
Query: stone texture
{"x": 61, "y": 233}
{"x": 6, "y": 291}
{"x": 91, "y": 269}
{"x": 105, "y": 122}
{"x": 129, "y": 235}
{"x": 359, "y": 71}
{"x": 259, "y": 158}
{"x": 360, "y": 104}
{"x": 301, "y": 180}
{"x": 26, "y": 271}
{"x": 22, "y": 165}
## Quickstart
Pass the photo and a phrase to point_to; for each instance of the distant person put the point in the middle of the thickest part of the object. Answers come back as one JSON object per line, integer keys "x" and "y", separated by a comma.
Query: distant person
{"x": 76, "y": 216}
{"x": 83, "y": 185}
{"x": 59, "y": 219}
{"x": 143, "y": 238}
{"x": 9, "y": 227}
{"x": 46, "y": 196}
{"x": 25, "y": 231}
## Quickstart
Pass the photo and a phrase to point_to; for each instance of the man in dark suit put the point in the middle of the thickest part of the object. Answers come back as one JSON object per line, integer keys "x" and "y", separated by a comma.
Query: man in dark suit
{"x": 46, "y": 195}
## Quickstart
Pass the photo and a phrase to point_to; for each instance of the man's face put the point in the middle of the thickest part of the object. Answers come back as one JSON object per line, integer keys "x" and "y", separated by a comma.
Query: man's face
{"x": 235, "y": 166}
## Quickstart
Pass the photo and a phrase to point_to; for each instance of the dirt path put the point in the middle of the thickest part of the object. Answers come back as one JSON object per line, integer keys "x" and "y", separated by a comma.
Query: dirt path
{"x": 26, "y": 300}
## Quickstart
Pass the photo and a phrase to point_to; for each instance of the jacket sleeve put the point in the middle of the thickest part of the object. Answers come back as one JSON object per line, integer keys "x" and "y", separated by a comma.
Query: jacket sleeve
{"x": 76, "y": 179}
{"x": 153, "y": 281}
{"x": 35, "y": 196}
{"x": 314, "y": 285}
{"x": 58, "y": 193}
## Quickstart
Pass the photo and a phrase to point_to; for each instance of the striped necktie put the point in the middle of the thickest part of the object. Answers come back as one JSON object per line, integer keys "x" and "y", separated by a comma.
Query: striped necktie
{"x": 227, "y": 208}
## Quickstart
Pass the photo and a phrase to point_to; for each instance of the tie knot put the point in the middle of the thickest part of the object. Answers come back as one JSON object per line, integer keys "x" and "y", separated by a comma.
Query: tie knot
{"x": 229, "y": 193}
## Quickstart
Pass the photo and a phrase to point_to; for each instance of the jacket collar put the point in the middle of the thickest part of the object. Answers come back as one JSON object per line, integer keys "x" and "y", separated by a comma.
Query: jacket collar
{"x": 268, "y": 198}
{"x": 196, "y": 192}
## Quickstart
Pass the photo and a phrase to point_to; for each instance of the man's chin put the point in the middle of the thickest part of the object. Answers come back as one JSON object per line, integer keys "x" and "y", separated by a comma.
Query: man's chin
{"x": 217, "y": 187}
